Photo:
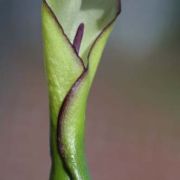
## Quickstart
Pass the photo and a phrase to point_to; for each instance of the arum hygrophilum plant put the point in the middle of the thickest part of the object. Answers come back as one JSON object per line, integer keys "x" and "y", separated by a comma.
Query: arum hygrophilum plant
{"x": 75, "y": 33}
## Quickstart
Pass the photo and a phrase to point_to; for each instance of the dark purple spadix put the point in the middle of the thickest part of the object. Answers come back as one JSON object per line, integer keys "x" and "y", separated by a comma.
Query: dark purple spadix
{"x": 78, "y": 37}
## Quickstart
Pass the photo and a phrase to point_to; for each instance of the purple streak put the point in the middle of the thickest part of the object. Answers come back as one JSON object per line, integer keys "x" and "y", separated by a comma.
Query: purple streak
{"x": 78, "y": 37}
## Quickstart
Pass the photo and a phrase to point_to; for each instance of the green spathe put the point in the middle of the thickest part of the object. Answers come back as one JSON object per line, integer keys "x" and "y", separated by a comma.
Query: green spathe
{"x": 70, "y": 75}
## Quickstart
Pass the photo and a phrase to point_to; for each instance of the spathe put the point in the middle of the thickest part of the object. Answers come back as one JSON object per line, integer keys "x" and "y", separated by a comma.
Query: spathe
{"x": 75, "y": 33}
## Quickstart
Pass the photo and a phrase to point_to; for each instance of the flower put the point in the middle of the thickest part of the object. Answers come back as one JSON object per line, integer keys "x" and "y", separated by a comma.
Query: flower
{"x": 75, "y": 33}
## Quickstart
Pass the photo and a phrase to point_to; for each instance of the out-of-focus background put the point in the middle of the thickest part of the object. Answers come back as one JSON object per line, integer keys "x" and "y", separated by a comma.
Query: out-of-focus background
{"x": 133, "y": 118}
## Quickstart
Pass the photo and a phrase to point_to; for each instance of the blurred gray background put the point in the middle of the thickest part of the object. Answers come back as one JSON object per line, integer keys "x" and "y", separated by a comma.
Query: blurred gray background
{"x": 133, "y": 118}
